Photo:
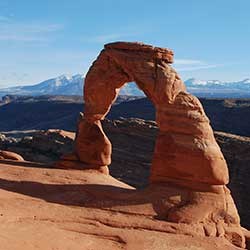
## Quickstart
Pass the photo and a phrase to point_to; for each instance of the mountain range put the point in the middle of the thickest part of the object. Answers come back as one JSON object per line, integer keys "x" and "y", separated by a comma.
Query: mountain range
{"x": 73, "y": 85}
{"x": 219, "y": 89}
{"x": 62, "y": 85}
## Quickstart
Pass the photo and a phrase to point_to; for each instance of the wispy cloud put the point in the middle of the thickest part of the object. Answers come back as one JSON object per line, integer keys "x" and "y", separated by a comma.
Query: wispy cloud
{"x": 188, "y": 62}
{"x": 21, "y": 38}
{"x": 194, "y": 65}
{"x": 195, "y": 68}
{"x": 26, "y": 32}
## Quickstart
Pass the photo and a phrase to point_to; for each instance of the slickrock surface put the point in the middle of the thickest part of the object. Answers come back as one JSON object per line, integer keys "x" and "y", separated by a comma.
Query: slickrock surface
{"x": 46, "y": 209}
{"x": 7, "y": 155}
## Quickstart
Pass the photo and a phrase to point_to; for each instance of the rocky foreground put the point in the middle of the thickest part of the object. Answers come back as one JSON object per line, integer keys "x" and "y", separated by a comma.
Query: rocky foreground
{"x": 43, "y": 209}
{"x": 129, "y": 136}
{"x": 46, "y": 208}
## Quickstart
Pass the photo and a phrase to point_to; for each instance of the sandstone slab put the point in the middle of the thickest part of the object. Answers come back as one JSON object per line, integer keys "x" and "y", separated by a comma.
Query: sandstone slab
{"x": 7, "y": 155}
{"x": 72, "y": 209}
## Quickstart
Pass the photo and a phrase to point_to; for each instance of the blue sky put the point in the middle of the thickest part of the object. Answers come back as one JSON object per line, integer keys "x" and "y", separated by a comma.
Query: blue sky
{"x": 44, "y": 39}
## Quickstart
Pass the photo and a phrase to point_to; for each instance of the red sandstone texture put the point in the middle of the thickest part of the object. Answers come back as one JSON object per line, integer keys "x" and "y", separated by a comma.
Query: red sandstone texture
{"x": 185, "y": 133}
{"x": 7, "y": 155}
{"x": 45, "y": 209}
{"x": 187, "y": 160}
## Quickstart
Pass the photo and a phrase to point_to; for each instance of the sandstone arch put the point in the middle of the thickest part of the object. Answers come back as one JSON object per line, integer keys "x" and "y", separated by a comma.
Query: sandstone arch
{"x": 186, "y": 151}
{"x": 187, "y": 159}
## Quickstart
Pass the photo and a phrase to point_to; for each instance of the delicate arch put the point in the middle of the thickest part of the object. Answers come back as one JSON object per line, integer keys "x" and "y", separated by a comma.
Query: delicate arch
{"x": 185, "y": 151}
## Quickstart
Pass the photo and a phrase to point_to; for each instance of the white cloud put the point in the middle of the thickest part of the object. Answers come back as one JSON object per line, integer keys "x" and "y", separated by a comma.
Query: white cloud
{"x": 187, "y": 62}
{"x": 193, "y": 65}
{"x": 26, "y": 32}
{"x": 195, "y": 68}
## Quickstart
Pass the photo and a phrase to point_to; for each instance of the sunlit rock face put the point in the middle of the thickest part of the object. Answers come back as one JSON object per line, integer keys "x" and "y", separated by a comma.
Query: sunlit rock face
{"x": 7, "y": 155}
{"x": 187, "y": 160}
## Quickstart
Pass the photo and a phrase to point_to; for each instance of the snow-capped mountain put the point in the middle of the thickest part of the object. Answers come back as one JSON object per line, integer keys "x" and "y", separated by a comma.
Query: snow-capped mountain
{"x": 62, "y": 85}
{"x": 196, "y": 83}
{"x": 73, "y": 85}
{"x": 216, "y": 88}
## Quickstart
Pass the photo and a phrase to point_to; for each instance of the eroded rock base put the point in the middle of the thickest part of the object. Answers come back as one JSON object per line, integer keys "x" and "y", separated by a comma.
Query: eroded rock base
{"x": 45, "y": 208}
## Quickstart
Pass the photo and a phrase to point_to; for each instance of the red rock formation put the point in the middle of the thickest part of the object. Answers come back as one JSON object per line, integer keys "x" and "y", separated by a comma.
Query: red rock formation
{"x": 44, "y": 209}
{"x": 185, "y": 134}
{"x": 186, "y": 153}
{"x": 7, "y": 155}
